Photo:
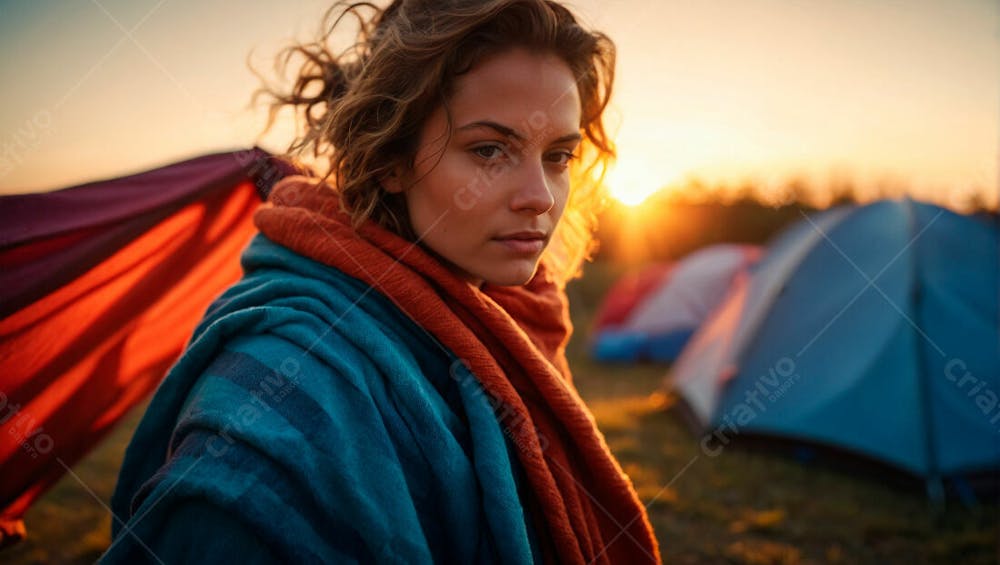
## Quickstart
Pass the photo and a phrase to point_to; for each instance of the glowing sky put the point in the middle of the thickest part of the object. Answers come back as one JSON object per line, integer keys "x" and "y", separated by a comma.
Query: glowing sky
{"x": 907, "y": 91}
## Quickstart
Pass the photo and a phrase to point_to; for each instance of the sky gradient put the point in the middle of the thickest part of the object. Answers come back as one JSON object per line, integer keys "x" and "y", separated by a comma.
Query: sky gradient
{"x": 878, "y": 91}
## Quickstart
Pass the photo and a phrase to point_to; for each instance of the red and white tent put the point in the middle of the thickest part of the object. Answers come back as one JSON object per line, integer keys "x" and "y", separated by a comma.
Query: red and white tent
{"x": 649, "y": 315}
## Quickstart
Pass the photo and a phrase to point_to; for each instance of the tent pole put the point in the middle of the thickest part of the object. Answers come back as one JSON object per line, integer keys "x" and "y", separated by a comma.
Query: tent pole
{"x": 934, "y": 483}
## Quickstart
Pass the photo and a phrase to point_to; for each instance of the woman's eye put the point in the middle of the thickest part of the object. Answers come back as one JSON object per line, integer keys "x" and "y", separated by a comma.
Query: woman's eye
{"x": 489, "y": 152}
{"x": 561, "y": 158}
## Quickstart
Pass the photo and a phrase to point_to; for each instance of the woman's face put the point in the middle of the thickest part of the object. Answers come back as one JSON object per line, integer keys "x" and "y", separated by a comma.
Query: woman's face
{"x": 488, "y": 199}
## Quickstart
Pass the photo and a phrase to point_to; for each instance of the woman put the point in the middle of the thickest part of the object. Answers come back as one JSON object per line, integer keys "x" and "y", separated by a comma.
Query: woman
{"x": 388, "y": 381}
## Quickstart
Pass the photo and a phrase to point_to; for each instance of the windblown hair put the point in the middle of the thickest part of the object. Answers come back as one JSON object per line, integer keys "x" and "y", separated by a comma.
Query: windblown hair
{"x": 363, "y": 108}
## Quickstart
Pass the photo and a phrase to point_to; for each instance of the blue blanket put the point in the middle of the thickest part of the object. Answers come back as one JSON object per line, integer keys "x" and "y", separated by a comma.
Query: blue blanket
{"x": 309, "y": 420}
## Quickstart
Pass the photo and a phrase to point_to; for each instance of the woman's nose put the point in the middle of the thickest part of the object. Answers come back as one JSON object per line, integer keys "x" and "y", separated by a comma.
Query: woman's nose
{"x": 531, "y": 190}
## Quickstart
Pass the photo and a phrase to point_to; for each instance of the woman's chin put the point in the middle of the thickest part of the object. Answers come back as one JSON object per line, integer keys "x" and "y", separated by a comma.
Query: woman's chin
{"x": 513, "y": 275}
{"x": 507, "y": 272}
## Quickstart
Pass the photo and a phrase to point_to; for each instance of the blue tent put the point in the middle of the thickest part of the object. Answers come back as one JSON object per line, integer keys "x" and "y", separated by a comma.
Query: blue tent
{"x": 871, "y": 329}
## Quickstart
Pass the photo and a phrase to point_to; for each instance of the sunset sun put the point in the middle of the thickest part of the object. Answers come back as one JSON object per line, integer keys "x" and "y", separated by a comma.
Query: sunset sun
{"x": 631, "y": 183}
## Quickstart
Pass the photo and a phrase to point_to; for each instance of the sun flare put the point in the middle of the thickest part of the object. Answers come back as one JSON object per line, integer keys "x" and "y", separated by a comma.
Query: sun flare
{"x": 630, "y": 185}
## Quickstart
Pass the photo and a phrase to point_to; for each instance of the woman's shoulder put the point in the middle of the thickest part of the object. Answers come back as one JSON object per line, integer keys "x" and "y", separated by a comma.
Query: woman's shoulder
{"x": 268, "y": 436}
{"x": 283, "y": 288}
{"x": 272, "y": 430}
{"x": 289, "y": 310}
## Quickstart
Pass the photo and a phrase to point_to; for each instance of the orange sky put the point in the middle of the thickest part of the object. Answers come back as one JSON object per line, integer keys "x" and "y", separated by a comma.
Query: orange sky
{"x": 889, "y": 90}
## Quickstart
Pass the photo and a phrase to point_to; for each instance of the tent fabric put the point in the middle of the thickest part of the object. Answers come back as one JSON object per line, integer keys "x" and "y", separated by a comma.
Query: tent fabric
{"x": 667, "y": 305}
{"x": 50, "y": 238}
{"x": 627, "y": 292}
{"x": 872, "y": 329}
{"x": 100, "y": 287}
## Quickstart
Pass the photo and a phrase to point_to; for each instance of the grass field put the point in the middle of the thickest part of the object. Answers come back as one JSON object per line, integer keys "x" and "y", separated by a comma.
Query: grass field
{"x": 738, "y": 507}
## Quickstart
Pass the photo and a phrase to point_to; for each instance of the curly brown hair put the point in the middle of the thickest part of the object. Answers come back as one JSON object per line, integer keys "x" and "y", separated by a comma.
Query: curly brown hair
{"x": 363, "y": 108}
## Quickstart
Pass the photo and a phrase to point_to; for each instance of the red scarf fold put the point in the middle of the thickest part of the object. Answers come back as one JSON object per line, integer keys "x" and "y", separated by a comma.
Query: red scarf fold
{"x": 513, "y": 339}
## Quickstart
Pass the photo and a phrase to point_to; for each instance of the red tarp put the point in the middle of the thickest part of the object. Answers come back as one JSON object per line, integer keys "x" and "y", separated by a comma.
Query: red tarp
{"x": 101, "y": 286}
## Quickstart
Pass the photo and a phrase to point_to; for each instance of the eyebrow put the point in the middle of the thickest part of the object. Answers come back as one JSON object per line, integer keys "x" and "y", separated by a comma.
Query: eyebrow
{"x": 510, "y": 132}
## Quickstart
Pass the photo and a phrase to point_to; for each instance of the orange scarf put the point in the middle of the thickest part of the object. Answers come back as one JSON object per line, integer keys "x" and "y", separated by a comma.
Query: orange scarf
{"x": 513, "y": 339}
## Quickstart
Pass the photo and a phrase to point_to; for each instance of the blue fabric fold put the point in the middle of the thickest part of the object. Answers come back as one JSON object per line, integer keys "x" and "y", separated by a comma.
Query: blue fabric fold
{"x": 311, "y": 421}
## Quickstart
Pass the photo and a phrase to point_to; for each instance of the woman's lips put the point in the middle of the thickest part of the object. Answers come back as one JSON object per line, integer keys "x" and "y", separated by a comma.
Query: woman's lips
{"x": 527, "y": 242}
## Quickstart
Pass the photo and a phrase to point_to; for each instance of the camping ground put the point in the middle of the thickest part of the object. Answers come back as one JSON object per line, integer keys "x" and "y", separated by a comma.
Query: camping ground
{"x": 735, "y": 507}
